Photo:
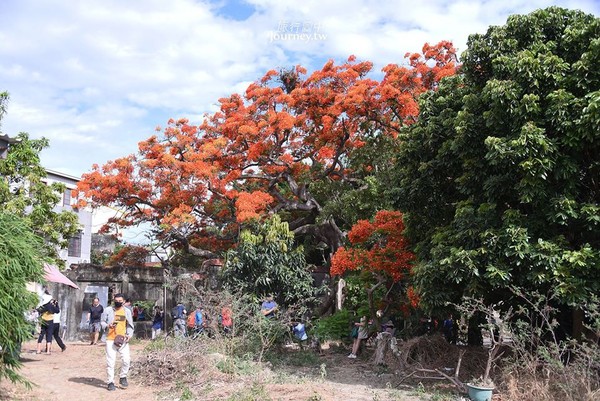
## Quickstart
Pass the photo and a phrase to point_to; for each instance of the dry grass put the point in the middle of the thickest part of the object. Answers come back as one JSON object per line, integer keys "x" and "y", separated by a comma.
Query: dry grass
{"x": 529, "y": 378}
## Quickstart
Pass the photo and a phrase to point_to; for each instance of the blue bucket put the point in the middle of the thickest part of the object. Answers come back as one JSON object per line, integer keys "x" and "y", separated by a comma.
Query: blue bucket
{"x": 477, "y": 393}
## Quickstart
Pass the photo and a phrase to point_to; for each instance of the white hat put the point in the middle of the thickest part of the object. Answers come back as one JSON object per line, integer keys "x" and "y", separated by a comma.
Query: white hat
{"x": 46, "y": 298}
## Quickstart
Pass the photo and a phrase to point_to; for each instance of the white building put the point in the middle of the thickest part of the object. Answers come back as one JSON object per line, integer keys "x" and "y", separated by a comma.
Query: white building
{"x": 80, "y": 245}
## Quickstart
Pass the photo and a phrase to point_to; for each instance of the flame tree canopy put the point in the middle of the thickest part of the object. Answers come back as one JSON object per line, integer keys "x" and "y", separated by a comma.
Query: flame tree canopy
{"x": 379, "y": 249}
{"x": 264, "y": 151}
{"x": 378, "y": 246}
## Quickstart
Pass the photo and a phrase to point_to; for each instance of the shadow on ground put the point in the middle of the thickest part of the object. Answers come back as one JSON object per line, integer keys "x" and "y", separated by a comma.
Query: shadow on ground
{"x": 90, "y": 381}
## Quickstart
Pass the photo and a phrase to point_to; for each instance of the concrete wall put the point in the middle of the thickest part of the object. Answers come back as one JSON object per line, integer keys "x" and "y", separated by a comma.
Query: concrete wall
{"x": 137, "y": 283}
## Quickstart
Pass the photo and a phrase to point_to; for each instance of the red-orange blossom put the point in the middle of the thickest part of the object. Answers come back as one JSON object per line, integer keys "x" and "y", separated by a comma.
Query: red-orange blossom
{"x": 261, "y": 150}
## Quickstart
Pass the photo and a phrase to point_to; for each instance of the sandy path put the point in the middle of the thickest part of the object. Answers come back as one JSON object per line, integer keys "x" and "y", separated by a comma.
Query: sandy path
{"x": 77, "y": 374}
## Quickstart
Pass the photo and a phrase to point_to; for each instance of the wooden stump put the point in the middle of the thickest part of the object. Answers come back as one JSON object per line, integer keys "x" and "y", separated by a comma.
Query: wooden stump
{"x": 386, "y": 344}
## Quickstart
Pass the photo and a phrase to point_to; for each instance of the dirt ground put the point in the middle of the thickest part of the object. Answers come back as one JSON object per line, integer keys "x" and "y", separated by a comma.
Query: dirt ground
{"x": 79, "y": 373}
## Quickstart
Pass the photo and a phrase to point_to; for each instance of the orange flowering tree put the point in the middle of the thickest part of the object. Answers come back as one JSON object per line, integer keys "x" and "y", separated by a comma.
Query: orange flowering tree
{"x": 128, "y": 255}
{"x": 378, "y": 248}
{"x": 262, "y": 151}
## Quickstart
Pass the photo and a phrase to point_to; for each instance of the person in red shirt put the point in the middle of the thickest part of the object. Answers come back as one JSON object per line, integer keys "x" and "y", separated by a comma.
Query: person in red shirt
{"x": 226, "y": 320}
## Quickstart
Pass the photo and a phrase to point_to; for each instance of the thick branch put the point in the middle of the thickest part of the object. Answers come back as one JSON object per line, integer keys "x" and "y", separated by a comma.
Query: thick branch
{"x": 192, "y": 250}
{"x": 340, "y": 150}
{"x": 328, "y": 232}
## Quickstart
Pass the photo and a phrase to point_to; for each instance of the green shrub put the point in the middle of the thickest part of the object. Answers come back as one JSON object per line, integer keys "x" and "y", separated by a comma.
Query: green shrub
{"x": 20, "y": 263}
{"x": 255, "y": 393}
{"x": 294, "y": 358}
{"x": 236, "y": 366}
{"x": 334, "y": 327}
{"x": 267, "y": 261}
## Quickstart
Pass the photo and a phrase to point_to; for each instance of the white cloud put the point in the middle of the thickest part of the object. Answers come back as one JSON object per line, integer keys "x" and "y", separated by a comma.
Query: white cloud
{"x": 97, "y": 77}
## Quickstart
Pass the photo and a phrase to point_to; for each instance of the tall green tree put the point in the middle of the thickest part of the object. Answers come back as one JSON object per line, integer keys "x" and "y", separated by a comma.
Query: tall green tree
{"x": 500, "y": 177}
{"x": 20, "y": 263}
{"x": 267, "y": 261}
{"x": 24, "y": 193}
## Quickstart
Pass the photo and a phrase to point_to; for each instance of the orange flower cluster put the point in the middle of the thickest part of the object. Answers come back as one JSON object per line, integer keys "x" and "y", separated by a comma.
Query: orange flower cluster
{"x": 376, "y": 246}
{"x": 250, "y": 205}
{"x": 413, "y": 297}
{"x": 260, "y": 148}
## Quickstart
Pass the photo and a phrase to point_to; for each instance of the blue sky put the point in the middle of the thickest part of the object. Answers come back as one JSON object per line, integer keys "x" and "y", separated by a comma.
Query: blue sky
{"x": 97, "y": 77}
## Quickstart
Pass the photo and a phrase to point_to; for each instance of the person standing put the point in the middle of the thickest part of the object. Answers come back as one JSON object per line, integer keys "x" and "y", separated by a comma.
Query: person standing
{"x": 199, "y": 320}
{"x": 157, "y": 322}
{"x": 119, "y": 322}
{"x": 56, "y": 331}
{"x": 135, "y": 311}
{"x": 178, "y": 313}
{"x": 47, "y": 309}
{"x": 226, "y": 319}
{"x": 448, "y": 329}
{"x": 363, "y": 334}
{"x": 141, "y": 313}
{"x": 93, "y": 318}
{"x": 268, "y": 307}
{"x": 299, "y": 330}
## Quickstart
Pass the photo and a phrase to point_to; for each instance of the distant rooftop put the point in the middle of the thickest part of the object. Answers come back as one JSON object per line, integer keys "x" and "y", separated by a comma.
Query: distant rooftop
{"x": 59, "y": 174}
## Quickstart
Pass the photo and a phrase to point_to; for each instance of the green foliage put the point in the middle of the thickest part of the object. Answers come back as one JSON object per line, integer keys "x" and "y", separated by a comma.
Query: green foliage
{"x": 356, "y": 297}
{"x": 99, "y": 257}
{"x": 302, "y": 357}
{"x": 186, "y": 393}
{"x": 234, "y": 365}
{"x": 362, "y": 196}
{"x": 256, "y": 392}
{"x": 147, "y": 305}
{"x": 266, "y": 261}
{"x": 499, "y": 177}
{"x": 20, "y": 263}
{"x": 24, "y": 193}
{"x": 334, "y": 327}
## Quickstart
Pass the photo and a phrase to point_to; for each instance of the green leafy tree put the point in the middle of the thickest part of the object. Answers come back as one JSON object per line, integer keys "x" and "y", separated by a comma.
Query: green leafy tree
{"x": 266, "y": 261}
{"x": 500, "y": 177}
{"x": 20, "y": 263}
{"x": 363, "y": 196}
{"x": 24, "y": 193}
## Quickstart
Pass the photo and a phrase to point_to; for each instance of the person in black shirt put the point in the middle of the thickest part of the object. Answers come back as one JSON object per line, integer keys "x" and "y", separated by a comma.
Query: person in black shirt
{"x": 94, "y": 317}
{"x": 48, "y": 308}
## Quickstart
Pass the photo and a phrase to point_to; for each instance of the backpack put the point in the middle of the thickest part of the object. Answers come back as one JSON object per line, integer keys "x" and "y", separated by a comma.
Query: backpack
{"x": 191, "y": 320}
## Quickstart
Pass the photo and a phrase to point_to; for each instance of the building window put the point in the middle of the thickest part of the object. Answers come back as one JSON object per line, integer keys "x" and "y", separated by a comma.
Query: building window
{"x": 67, "y": 197}
{"x": 75, "y": 246}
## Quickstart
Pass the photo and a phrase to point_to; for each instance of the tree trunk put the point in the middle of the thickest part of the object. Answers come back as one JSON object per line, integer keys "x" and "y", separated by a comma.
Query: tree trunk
{"x": 370, "y": 297}
{"x": 577, "y": 328}
{"x": 385, "y": 344}
{"x": 340, "y": 294}
{"x": 328, "y": 305}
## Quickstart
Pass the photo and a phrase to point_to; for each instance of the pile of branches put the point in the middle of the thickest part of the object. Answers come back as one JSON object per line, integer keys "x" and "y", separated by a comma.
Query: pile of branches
{"x": 176, "y": 360}
{"x": 432, "y": 357}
